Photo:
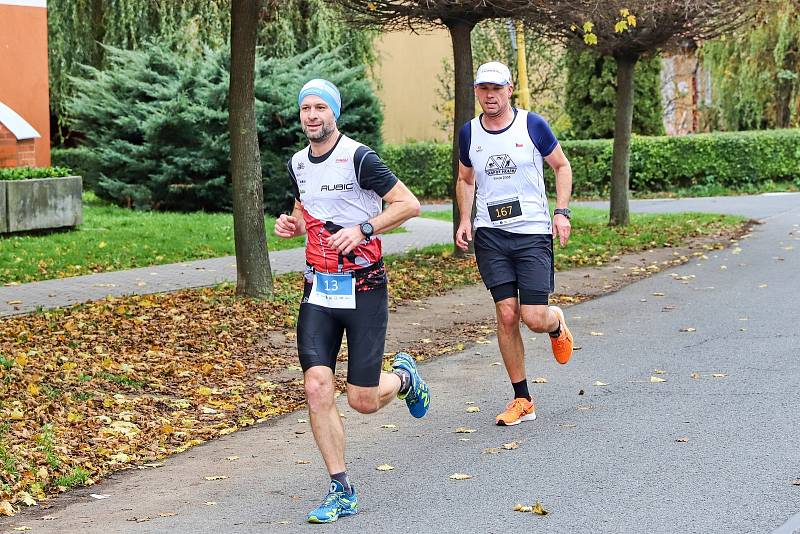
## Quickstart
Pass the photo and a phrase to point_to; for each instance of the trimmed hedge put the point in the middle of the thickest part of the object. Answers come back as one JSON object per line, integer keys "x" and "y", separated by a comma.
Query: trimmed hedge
{"x": 663, "y": 163}
{"x": 29, "y": 173}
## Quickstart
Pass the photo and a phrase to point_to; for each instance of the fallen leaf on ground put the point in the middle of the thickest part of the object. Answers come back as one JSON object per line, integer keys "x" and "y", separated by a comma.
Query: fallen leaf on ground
{"x": 596, "y": 333}
{"x": 385, "y": 467}
{"x": 796, "y": 482}
{"x": 464, "y": 430}
{"x": 539, "y": 380}
{"x": 522, "y": 508}
{"x": 718, "y": 375}
{"x": 659, "y": 371}
{"x": 302, "y": 462}
{"x": 22, "y": 529}
{"x": 99, "y": 496}
{"x": 231, "y": 458}
{"x": 495, "y": 363}
{"x": 657, "y": 379}
{"x": 696, "y": 376}
{"x": 598, "y": 383}
{"x": 682, "y": 440}
{"x": 762, "y": 286}
{"x": 216, "y": 477}
{"x": 538, "y": 509}
{"x": 658, "y": 294}
{"x": 389, "y": 426}
{"x": 491, "y": 450}
{"x": 460, "y": 476}
{"x": 688, "y": 329}
{"x": 473, "y": 409}
{"x": 511, "y": 446}
{"x": 167, "y": 514}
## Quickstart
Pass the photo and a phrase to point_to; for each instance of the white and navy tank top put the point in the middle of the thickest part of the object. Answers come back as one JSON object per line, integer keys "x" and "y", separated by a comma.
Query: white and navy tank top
{"x": 509, "y": 172}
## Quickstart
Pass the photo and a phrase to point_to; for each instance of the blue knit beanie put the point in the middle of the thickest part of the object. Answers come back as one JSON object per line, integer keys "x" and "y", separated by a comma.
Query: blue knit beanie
{"x": 326, "y": 91}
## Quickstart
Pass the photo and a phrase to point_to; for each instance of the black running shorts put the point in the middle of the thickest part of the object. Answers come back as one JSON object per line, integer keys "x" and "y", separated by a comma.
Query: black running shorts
{"x": 512, "y": 264}
{"x": 320, "y": 329}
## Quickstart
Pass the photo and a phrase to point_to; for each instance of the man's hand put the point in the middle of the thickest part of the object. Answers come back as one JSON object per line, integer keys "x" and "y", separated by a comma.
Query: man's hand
{"x": 346, "y": 239}
{"x": 286, "y": 226}
{"x": 464, "y": 235}
{"x": 561, "y": 228}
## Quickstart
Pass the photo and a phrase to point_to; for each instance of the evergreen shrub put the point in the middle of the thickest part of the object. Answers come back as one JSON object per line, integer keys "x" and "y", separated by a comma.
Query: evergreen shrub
{"x": 155, "y": 125}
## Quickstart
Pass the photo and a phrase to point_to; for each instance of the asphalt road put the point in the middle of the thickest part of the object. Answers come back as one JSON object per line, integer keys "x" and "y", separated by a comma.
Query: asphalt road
{"x": 713, "y": 448}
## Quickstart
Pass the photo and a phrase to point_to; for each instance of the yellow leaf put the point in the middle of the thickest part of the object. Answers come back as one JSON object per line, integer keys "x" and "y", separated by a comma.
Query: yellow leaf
{"x": 302, "y": 462}
{"x": 102, "y": 244}
{"x": 389, "y": 426}
{"x": 460, "y": 476}
{"x": 12, "y": 302}
{"x": 6, "y": 508}
{"x": 26, "y": 498}
{"x": 620, "y": 26}
{"x": 590, "y": 39}
{"x": 205, "y": 391}
{"x": 120, "y": 458}
{"x": 73, "y": 417}
{"x": 22, "y": 529}
{"x": 659, "y": 371}
{"x": 17, "y": 414}
{"x": 657, "y": 379}
{"x": 69, "y": 366}
{"x": 384, "y": 467}
{"x": 33, "y": 389}
{"x": 21, "y": 359}
{"x": 631, "y": 20}
{"x": 596, "y": 333}
{"x": 371, "y": 6}
{"x": 216, "y": 477}
{"x": 624, "y": 12}
{"x": 588, "y": 26}
{"x": 538, "y": 509}
{"x": 473, "y": 409}
{"x": 464, "y": 430}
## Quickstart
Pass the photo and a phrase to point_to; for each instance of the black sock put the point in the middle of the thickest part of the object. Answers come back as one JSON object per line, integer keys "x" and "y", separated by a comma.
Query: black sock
{"x": 521, "y": 389}
{"x": 342, "y": 479}
{"x": 557, "y": 331}
{"x": 405, "y": 380}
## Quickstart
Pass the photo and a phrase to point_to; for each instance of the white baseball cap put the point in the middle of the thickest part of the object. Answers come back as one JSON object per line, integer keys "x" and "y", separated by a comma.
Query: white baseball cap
{"x": 493, "y": 72}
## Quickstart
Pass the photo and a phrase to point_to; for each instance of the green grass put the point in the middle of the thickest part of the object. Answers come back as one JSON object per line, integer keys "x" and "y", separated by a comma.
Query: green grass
{"x": 76, "y": 478}
{"x": 113, "y": 238}
{"x": 47, "y": 447}
{"x": 593, "y": 242}
{"x": 122, "y": 380}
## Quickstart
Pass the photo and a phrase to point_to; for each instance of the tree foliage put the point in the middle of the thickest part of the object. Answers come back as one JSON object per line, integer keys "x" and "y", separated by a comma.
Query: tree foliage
{"x": 156, "y": 133}
{"x": 591, "y": 95}
{"x": 756, "y": 72}
{"x": 79, "y": 29}
{"x": 491, "y": 41}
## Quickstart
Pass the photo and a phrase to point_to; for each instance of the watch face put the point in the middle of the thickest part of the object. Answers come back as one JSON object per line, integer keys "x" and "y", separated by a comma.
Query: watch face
{"x": 367, "y": 229}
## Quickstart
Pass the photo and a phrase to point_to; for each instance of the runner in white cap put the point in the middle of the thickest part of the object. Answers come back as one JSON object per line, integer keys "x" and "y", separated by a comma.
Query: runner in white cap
{"x": 502, "y": 152}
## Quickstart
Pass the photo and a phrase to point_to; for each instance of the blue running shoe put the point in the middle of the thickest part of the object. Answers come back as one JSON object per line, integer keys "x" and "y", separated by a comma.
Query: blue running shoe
{"x": 417, "y": 399}
{"x": 335, "y": 505}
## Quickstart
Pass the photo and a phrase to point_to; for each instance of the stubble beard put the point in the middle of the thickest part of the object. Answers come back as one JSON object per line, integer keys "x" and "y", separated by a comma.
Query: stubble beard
{"x": 322, "y": 135}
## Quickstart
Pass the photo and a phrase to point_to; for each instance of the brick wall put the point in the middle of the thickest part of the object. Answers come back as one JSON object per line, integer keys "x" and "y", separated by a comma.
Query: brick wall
{"x": 15, "y": 153}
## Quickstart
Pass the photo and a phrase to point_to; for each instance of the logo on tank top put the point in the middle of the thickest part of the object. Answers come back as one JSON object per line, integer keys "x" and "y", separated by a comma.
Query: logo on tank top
{"x": 499, "y": 165}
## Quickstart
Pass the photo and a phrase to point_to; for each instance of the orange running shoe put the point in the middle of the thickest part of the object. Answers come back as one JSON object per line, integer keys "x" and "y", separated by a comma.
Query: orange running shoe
{"x": 517, "y": 411}
{"x": 562, "y": 345}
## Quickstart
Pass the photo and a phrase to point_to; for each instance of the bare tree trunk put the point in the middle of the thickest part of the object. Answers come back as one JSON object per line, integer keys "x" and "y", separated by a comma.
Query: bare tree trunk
{"x": 460, "y": 31}
{"x": 620, "y": 169}
{"x": 254, "y": 275}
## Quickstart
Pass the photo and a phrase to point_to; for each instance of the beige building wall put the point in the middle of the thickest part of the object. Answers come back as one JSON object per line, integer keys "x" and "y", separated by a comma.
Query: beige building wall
{"x": 407, "y": 80}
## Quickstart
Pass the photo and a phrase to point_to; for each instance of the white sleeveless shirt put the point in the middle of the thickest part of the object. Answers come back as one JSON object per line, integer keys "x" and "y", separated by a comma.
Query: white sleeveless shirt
{"x": 509, "y": 173}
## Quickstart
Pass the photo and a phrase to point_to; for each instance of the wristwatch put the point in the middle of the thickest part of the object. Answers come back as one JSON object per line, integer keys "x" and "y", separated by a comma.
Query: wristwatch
{"x": 566, "y": 212}
{"x": 367, "y": 229}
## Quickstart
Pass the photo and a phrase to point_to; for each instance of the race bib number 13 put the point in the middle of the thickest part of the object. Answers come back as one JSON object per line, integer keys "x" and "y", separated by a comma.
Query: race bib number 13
{"x": 504, "y": 211}
{"x": 333, "y": 290}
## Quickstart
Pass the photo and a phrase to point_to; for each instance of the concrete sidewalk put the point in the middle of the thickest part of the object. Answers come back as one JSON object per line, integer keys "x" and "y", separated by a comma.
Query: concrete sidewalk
{"x": 26, "y": 298}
